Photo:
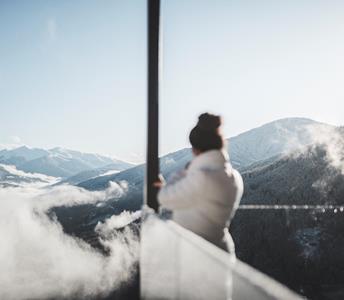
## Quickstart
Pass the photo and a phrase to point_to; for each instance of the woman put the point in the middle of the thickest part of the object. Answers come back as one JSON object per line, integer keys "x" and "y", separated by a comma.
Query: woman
{"x": 204, "y": 198}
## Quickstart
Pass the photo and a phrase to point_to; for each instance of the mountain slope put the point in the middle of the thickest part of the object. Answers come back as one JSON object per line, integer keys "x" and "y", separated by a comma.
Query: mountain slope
{"x": 93, "y": 173}
{"x": 56, "y": 166}
{"x": 272, "y": 139}
{"x": 93, "y": 160}
{"x": 21, "y": 155}
{"x": 57, "y": 162}
{"x": 134, "y": 176}
{"x": 306, "y": 178}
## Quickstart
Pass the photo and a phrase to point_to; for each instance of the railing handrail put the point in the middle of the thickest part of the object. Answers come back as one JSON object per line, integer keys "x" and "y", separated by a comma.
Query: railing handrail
{"x": 340, "y": 208}
{"x": 266, "y": 285}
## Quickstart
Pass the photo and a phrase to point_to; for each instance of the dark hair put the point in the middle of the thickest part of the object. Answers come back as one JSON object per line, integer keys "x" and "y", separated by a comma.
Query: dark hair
{"x": 206, "y": 134}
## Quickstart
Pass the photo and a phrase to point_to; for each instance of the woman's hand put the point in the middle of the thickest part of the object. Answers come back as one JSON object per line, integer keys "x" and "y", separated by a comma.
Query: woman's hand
{"x": 160, "y": 182}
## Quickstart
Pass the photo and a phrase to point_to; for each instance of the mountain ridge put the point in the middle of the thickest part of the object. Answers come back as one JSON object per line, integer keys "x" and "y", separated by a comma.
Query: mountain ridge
{"x": 240, "y": 154}
{"x": 57, "y": 162}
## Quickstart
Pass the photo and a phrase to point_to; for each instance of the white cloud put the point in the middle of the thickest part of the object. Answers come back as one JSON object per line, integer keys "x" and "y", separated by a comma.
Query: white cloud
{"x": 66, "y": 195}
{"x": 116, "y": 222}
{"x": 326, "y": 136}
{"x": 37, "y": 256}
{"x": 38, "y": 180}
{"x": 332, "y": 141}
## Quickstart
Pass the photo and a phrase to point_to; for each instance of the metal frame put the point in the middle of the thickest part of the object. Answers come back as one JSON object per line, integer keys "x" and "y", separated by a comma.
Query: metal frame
{"x": 152, "y": 162}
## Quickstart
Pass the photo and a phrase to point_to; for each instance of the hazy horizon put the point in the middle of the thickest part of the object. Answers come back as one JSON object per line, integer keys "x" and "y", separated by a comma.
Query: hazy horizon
{"x": 18, "y": 144}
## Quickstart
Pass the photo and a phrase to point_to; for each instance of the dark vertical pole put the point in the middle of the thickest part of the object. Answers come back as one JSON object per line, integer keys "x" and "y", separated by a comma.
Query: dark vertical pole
{"x": 152, "y": 163}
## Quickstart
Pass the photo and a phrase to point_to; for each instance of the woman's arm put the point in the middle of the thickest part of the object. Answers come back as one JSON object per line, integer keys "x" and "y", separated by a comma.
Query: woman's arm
{"x": 182, "y": 193}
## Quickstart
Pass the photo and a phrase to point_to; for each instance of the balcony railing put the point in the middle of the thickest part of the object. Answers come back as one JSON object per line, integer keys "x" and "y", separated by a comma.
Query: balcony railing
{"x": 177, "y": 264}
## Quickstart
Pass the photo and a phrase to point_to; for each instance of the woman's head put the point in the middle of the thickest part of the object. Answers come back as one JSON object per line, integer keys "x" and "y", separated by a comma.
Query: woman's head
{"x": 206, "y": 134}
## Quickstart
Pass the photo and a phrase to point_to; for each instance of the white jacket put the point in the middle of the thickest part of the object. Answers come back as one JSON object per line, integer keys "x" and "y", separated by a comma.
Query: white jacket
{"x": 205, "y": 198}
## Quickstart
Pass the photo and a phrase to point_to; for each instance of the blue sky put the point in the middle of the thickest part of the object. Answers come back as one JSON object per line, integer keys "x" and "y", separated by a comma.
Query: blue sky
{"x": 73, "y": 73}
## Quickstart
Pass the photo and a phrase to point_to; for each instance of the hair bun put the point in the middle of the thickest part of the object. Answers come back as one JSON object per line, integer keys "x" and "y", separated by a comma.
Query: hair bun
{"x": 209, "y": 122}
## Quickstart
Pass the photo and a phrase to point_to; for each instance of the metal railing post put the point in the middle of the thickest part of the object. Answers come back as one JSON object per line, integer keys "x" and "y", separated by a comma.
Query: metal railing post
{"x": 152, "y": 162}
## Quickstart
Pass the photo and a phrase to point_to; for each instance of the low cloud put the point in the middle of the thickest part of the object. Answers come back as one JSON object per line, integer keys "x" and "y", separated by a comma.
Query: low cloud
{"x": 38, "y": 260}
{"x": 14, "y": 171}
{"x": 320, "y": 142}
{"x": 67, "y": 195}
{"x": 327, "y": 137}
{"x": 331, "y": 139}
{"x": 117, "y": 222}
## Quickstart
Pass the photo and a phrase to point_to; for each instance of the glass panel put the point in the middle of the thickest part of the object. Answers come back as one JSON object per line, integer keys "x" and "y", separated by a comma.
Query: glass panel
{"x": 177, "y": 264}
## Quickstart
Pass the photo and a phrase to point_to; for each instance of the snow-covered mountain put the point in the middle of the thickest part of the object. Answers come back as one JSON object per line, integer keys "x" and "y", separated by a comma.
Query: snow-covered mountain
{"x": 268, "y": 142}
{"x": 272, "y": 139}
{"x": 110, "y": 169}
{"x": 57, "y": 162}
{"x": 21, "y": 155}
